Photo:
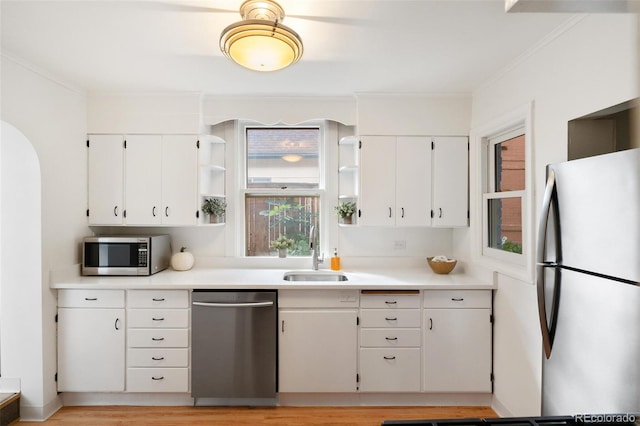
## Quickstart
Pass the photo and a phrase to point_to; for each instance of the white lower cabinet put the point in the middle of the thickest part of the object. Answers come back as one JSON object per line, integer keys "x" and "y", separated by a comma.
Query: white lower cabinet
{"x": 457, "y": 341}
{"x": 317, "y": 341}
{"x": 158, "y": 341}
{"x": 390, "y": 341}
{"x": 91, "y": 339}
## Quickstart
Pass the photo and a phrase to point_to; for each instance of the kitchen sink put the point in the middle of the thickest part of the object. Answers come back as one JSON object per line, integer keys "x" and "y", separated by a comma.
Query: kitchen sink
{"x": 314, "y": 276}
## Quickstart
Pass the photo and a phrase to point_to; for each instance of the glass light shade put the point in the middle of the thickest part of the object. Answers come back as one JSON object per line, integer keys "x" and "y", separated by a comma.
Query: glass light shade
{"x": 292, "y": 158}
{"x": 261, "y": 45}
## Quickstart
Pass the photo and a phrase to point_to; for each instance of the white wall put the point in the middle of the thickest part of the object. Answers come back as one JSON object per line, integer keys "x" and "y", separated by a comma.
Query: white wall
{"x": 52, "y": 116}
{"x": 590, "y": 65}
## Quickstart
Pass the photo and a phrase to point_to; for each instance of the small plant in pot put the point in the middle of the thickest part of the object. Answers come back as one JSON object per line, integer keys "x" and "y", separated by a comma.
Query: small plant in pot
{"x": 282, "y": 243}
{"x": 345, "y": 211}
{"x": 215, "y": 208}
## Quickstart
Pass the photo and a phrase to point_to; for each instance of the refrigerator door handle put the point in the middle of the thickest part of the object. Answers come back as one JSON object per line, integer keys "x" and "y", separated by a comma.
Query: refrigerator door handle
{"x": 547, "y": 328}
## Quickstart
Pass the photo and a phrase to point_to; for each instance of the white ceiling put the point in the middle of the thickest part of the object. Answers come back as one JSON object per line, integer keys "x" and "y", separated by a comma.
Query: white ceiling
{"x": 350, "y": 46}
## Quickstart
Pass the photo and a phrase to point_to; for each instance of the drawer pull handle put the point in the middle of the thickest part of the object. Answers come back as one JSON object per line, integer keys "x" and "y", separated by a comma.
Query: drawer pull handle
{"x": 430, "y": 323}
{"x": 391, "y": 303}
{"x": 91, "y": 299}
{"x": 391, "y": 338}
{"x": 116, "y": 324}
{"x": 157, "y": 358}
{"x": 157, "y": 339}
{"x": 157, "y": 319}
{"x": 158, "y": 300}
{"x": 457, "y": 299}
{"x": 157, "y": 378}
{"x": 389, "y": 358}
{"x": 391, "y": 319}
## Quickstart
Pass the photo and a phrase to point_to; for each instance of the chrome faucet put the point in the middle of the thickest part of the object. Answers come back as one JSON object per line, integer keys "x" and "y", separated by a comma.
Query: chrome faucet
{"x": 313, "y": 245}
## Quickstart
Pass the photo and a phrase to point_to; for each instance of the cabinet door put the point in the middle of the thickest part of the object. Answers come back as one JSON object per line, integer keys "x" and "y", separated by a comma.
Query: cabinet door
{"x": 457, "y": 350}
{"x": 413, "y": 181}
{"x": 450, "y": 182}
{"x": 143, "y": 179}
{"x": 91, "y": 350}
{"x": 318, "y": 350}
{"x": 106, "y": 167}
{"x": 179, "y": 180}
{"x": 377, "y": 180}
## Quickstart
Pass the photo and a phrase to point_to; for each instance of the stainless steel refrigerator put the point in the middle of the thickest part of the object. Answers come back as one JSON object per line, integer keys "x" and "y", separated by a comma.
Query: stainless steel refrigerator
{"x": 588, "y": 282}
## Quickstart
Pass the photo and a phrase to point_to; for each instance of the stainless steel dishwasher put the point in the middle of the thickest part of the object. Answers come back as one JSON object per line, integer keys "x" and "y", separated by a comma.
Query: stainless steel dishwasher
{"x": 234, "y": 347}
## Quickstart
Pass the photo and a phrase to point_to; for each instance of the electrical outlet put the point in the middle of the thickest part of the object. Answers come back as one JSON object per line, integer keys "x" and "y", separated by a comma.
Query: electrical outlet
{"x": 400, "y": 245}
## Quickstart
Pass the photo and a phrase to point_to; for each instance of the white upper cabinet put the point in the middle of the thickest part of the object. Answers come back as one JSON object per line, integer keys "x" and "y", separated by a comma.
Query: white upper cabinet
{"x": 395, "y": 181}
{"x": 413, "y": 181}
{"x": 377, "y": 181}
{"x": 143, "y": 182}
{"x": 450, "y": 202}
{"x": 179, "y": 180}
{"x": 106, "y": 174}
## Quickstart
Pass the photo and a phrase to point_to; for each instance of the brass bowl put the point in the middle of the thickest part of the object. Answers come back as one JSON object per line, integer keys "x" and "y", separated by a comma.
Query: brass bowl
{"x": 442, "y": 267}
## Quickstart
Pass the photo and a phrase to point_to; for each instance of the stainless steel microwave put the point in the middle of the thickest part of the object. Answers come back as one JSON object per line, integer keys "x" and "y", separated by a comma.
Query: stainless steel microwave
{"x": 125, "y": 255}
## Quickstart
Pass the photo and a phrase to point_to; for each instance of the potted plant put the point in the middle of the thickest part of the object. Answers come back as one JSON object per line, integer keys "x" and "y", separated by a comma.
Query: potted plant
{"x": 215, "y": 208}
{"x": 282, "y": 243}
{"x": 346, "y": 210}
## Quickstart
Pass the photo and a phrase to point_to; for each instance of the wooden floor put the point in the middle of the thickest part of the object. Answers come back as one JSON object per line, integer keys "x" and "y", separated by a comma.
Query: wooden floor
{"x": 241, "y": 416}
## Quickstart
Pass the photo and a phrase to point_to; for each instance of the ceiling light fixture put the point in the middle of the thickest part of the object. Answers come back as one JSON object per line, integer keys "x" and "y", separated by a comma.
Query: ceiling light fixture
{"x": 292, "y": 158}
{"x": 260, "y": 42}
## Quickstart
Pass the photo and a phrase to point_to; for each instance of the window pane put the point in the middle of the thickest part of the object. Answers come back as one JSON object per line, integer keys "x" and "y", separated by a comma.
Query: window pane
{"x": 283, "y": 157}
{"x": 268, "y": 217}
{"x": 509, "y": 161}
{"x": 505, "y": 224}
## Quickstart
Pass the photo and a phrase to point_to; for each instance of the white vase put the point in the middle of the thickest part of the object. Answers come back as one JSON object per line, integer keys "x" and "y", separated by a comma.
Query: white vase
{"x": 282, "y": 252}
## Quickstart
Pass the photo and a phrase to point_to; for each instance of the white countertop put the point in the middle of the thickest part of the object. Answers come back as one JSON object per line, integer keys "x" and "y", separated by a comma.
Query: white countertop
{"x": 264, "y": 278}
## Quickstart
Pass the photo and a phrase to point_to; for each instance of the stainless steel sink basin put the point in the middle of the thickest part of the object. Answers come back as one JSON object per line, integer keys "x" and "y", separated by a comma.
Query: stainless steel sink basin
{"x": 314, "y": 276}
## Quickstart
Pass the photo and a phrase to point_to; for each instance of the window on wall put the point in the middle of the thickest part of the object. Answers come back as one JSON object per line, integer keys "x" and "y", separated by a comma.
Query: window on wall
{"x": 504, "y": 196}
{"x": 283, "y": 187}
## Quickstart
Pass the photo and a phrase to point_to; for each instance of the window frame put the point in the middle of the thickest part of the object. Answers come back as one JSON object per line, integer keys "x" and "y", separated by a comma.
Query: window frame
{"x": 244, "y": 191}
{"x": 518, "y": 122}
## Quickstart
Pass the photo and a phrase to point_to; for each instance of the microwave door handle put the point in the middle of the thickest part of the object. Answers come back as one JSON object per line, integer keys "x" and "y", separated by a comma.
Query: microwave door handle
{"x": 542, "y": 264}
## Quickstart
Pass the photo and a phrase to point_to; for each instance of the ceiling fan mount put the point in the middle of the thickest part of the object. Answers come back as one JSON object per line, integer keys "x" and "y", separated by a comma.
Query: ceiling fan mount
{"x": 267, "y": 10}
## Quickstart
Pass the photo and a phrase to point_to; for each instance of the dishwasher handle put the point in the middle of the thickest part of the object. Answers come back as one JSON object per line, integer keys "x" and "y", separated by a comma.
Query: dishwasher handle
{"x": 234, "y": 305}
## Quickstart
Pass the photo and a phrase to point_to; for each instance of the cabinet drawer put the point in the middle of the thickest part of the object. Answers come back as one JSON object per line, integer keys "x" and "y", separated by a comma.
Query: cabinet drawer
{"x": 157, "y": 299}
{"x": 91, "y": 298}
{"x": 457, "y": 299}
{"x": 390, "y": 370}
{"x": 160, "y": 338}
{"x": 390, "y": 300}
{"x": 390, "y": 337}
{"x": 381, "y": 318}
{"x": 157, "y": 380}
{"x": 158, "y": 318}
{"x": 158, "y": 357}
